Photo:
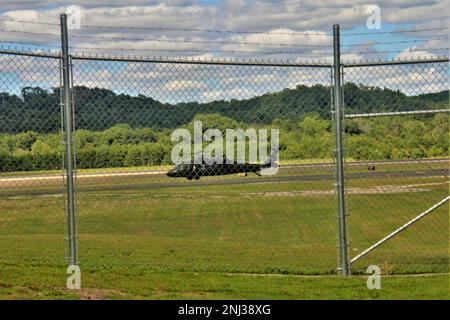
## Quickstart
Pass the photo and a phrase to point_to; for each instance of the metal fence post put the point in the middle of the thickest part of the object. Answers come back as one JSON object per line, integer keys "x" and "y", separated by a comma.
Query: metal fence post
{"x": 68, "y": 130}
{"x": 344, "y": 267}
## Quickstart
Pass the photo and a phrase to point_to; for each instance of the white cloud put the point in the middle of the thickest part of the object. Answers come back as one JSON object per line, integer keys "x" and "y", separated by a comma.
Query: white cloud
{"x": 410, "y": 79}
{"x": 181, "y": 85}
{"x": 274, "y": 20}
{"x": 282, "y": 16}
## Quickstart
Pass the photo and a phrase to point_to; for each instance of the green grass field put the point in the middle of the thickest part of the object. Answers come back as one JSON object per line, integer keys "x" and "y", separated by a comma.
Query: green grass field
{"x": 272, "y": 240}
{"x": 45, "y": 282}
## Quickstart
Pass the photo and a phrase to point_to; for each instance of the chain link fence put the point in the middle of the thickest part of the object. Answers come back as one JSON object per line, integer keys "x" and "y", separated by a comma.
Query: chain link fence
{"x": 225, "y": 222}
{"x": 133, "y": 215}
{"x": 31, "y": 160}
{"x": 394, "y": 113}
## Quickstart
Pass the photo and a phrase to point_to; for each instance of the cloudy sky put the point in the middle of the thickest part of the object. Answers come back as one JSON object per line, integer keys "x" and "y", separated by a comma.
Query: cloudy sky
{"x": 282, "y": 29}
{"x": 278, "y": 27}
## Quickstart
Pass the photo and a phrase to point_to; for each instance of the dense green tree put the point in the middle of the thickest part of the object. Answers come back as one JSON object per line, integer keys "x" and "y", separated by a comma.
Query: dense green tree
{"x": 25, "y": 140}
{"x": 97, "y": 109}
{"x": 117, "y": 130}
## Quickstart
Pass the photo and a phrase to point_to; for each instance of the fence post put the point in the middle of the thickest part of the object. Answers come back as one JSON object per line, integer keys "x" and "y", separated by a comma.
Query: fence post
{"x": 69, "y": 156}
{"x": 344, "y": 267}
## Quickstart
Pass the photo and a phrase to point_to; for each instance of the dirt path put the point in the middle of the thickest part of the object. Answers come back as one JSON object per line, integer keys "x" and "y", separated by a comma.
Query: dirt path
{"x": 368, "y": 190}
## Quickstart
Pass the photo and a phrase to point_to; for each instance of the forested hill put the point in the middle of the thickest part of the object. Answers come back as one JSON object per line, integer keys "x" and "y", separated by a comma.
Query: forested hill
{"x": 442, "y": 97}
{"x": 98, "y": 109}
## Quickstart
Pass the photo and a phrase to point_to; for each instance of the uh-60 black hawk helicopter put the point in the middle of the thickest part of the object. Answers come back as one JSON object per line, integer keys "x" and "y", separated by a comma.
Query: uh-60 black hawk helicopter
{"x": 195, "y": 171}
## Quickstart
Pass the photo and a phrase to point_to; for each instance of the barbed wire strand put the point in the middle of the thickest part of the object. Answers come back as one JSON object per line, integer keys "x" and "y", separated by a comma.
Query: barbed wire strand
{"x": 394, "y": 51}
{"x": 393, "y": 42}
{"x": 393, "y": 32}
{"x": 165, "y": 50}
{"x": 215, "y": 42}
{"x": 219, "y": 51}
{"x": 104, "y": 38}
{"x": 317, "y": 33}
{"x": 28, "y": 21}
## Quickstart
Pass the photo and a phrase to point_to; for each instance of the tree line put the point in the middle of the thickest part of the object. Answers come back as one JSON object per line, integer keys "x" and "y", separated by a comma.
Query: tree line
{"x": 97, "y": 109}
{"x": 309, "y": 136}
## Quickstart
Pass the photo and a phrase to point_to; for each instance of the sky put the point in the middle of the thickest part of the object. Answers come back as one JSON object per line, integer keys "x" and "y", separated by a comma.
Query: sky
{"x": 298, "y": 30}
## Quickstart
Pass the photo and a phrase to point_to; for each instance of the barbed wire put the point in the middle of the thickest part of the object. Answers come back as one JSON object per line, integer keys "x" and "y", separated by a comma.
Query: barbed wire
{"x": 200, "y": 41}
{"x": 251, "y": 51}
{"x": 28, "y": 21}
{"x": 218, "y": 51}
{"x": 393, "y": 32}
{"x": 394, "y": 51}
{"x": 203, "y": 51}
{"x": 166, "y": 50}
{"x": 225, "y": 42}
{"x": 31, "y": 43}
{"x": 31, "y": 32}
{"x": 393, "y": 42}
{"x": 218, "y": 42}
{"x": 292, "y": 33}
{"x": 317, "y": 33}
{"x": 104, "y": 38}
{"x": 309, "y": 33}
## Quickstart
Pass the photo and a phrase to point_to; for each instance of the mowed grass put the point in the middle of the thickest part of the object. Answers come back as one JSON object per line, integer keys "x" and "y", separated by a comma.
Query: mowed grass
{"x": 45, "y": 282}
{"x": 227, "y": 241}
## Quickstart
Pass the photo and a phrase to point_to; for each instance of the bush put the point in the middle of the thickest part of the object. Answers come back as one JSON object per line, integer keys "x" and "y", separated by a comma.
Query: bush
{"x": 309, "y": 137}
{"x": 145, "y": 155}
{"x": 367, "y": 148}
{"x": 30, "y": 162}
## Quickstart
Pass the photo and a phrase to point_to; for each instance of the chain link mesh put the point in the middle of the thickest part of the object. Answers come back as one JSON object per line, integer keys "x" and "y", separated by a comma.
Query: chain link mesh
{"x": 125, "y": 113}
{"x": 31, "y": 166}
{"x": 227, "y": 218}
{"x": 407, "y": 165}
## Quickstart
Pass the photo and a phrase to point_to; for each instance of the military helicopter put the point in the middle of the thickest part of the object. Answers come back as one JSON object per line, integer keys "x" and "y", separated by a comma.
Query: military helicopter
{"x": 195, "y": 171}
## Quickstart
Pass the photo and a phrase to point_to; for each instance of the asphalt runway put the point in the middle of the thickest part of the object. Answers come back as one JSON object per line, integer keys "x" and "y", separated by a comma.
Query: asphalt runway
{"x": 272, "y": 179}
{"x": 85, "y": 178}
{"x": 163, "y": 172}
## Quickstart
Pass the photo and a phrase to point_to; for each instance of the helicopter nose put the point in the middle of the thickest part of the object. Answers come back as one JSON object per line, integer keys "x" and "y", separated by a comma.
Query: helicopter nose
{"x": 170, "y": 173}
{"x": 173, "y": 173}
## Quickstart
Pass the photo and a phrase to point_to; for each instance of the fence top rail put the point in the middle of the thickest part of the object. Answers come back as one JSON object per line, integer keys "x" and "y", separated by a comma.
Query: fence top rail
{"x": 394, "y": 113}
{"x": 224, "y": 61}
{"x": 206, "y": 61}
{"x": 175, "y": 60}
{"x": 416, "y": 60}
{"x": 52, "y": 55}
